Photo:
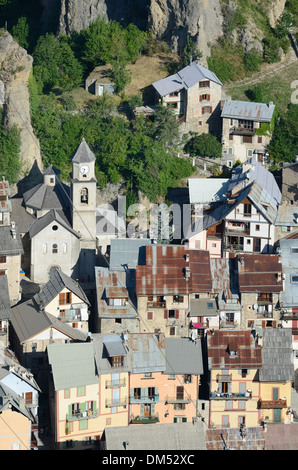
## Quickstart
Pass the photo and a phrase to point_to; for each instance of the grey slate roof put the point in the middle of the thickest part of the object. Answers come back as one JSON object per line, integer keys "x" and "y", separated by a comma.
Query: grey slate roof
{"x": 20, "y": 215}
{"x": 146, "y": 352}
{"x": 10, "y": 246}
{"x": 58, "y": 281}
{"x": 9, "y": 398}
{"x": 4, "y": 299}
{"x": 207, "y": 190}
{"x": 27, "y": 321}
{"x": 247, "y": 110}
{"x": 43, "y": 196}
{"x": 289, "y": 296}
{"x": 101, "y": 355}
{"x": 251, "y": 171}
{"x": 128, "y": 253}
{"x": 183, "y": 356}
{"x": 83, "y": 154}
{"x": 277, "y": 363}
{"x": 185, "y": 78}
{"x": 176, "y": 437}
{"x": 73, "y": 365}
{"x": 51, "y": 216}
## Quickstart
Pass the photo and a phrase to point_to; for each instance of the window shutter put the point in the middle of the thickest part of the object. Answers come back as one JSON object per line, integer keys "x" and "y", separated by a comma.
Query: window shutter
{"x": 69, "y": 410}
{"x": 210, "y": 109}
{"x": 166, "y": 314}
{"x": 61, "y": 299}
{"x": 176, "y": 314}
{"x": 175, "y": 420}
{"x": 94, "y": 405}
{"x": 83, "y": 407}
{"x": 201, "y": 98}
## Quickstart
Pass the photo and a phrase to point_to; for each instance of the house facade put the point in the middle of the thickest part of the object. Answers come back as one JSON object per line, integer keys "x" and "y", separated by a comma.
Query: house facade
{"x": 260, "y": 285}
{"x": 194, "y": 93}
{"x": 164, "y": 285}
{"x": 246, "y": 130}
{"x": 234, "y": 359}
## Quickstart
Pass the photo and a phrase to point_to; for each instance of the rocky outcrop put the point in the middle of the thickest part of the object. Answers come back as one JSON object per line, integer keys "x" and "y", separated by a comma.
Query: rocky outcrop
{"x": 15, "y": 69}
{"x": 174, "y": 20}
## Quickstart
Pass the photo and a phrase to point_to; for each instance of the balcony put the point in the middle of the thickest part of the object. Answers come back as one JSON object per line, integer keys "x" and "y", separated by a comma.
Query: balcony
{"x": 174, "y": 400}
{"x": 224, "y": 378}
{"x": 147, "y": 399}
{"x": 272, "y": 404}
{"x": 82, "y": 415}
{"x": 231, "y": 396}
{"x": 115, "y": 383}
{"x": 234, "y": 247}
{"x": 242, "y": 131}
{"x": 144, "y": 419}
{"x": 116, "y": 402}
{"x": 156, "y": 305}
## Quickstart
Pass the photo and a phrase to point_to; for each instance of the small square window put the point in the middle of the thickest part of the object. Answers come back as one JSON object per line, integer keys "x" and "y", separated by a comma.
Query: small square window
{"x": 257, "y": 228}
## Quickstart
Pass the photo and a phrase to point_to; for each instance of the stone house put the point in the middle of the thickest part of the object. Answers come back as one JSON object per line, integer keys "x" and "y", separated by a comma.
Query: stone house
{"x": 289, "y": 183}
{"x": 194, "y": 93}
{"x": 246, "y": 130}
{"x": 171, "y": 276}
{"x": 260, "y": 285}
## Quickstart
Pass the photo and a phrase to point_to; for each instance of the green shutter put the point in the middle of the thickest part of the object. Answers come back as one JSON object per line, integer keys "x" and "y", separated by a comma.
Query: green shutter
{"x": 82, "y": 407}
{"x": 69, "y": 410}
{"x": 175, "y": 420}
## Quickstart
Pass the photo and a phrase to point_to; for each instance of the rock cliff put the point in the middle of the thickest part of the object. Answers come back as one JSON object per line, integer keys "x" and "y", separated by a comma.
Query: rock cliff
{"x": 14, "y": 74}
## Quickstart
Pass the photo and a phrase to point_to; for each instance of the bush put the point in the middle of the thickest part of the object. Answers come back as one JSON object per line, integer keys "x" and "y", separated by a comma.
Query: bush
{"x": 253, "y": 60}
{"x": 204, "y": 145}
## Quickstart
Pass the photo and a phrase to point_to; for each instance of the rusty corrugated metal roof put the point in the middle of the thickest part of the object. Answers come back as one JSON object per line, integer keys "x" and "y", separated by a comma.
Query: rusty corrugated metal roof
{"x": 259, "y": 273}
{"x": 173, "y": 269}
{"x": 248, "y": 110}
{"x": 221, "y": 343}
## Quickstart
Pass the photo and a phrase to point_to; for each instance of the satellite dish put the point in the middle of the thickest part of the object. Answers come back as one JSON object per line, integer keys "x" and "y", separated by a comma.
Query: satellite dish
{"x": 125, "y": 337}
{"x": 194, "y": 336}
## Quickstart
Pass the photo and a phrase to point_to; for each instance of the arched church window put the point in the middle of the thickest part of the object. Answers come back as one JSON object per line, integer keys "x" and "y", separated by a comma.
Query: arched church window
{"x": 84, "y": 196}
{"x": 55, "y": 248}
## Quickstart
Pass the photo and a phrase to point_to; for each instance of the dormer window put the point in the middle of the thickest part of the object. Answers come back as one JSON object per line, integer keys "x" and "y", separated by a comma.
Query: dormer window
{"x": 117, "y": 361}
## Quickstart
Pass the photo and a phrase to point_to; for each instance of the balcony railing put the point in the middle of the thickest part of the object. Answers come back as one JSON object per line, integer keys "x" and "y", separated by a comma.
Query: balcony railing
{"x": 116, "y": 402}
{"x": 82, "y": 415}
{"x": 146, "y": 399}
{"x": 242, "y": 131}
{"x": 231, "y": 396}
{"x": 145, "y": 419}
{"x": 156, "y": 304}
{"x": 234, "y": 247}
{"x": 271, "y": 404}
{"x": 173, "y": 400}
{"x": 115, "y": 383}
{"x": 224, "y": 378}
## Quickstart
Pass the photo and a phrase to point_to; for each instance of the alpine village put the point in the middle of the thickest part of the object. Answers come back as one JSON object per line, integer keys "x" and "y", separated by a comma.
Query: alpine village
{"x": 148, "y": 225}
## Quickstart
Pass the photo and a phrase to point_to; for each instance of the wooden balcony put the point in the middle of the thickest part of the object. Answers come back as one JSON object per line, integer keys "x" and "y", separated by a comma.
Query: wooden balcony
{"x": 271, "y": 404}
{"x": 241, "y": 131}
{"x": 156, "y": 305}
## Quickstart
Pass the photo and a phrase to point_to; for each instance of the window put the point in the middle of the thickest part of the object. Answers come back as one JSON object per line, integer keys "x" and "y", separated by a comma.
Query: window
{"x": 180, "y": 419}
{"x": 171, "y": 313}
{"x": 187, "y": 379}
{"x": 172, "y": 331}
{"x": 205, "y": 97}
{"x": 64, "y": 298}
{"x": 118, "y": 320}
{"x": 244, "y": 124}
{"x": 178, "y": 298}
{"x": 2, "y": 259}
{"x": 175, "y": 93}
{"x": 294, "y": 250}
{"x": 204, "y": 84}
{"x": 231, "y": 137}
{"x": 247, "y": 210}
{"x": 179, "y": 406}
{"x": 294, "y": 279}
{"x": 249, "y": 152}
{"x": 28, "y": 398}
{"x": 149, "y": 315}
{"x": 257, "y": 228}
{"x": 55, "y": 228}
{"x": 230, "y": 150}
{"x": 55, "y": 248}
{"x": 151, "y": 393}
{"x": 67, "y": 393}
{"x": 81, "y": 391}
{"x": 117, "y": 361}
{"x": 137, "y": 393}
{"x": 83, "y": 424}
{"x": 206, "y": 109}
{"x": 247, "y": 139}
{"x": 84, "y": 196}
{"x": 179, "y": 393}
{"x": 259, "y": 139}
{"x": 148, "y": 375}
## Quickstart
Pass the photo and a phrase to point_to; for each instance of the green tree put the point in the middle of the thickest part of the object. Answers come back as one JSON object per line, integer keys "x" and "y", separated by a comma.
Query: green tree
{"x": 284, "y": 142}
{"x": 165, "y": 128}
{"x": 204, "y": 145}
{"x": 10, "y": 144}
{"x": 20, "y": 32}
{"x": 190, "y": 52}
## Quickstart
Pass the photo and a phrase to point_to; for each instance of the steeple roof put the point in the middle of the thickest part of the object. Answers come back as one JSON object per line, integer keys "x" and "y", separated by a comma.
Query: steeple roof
{"x": 83, "y": 154}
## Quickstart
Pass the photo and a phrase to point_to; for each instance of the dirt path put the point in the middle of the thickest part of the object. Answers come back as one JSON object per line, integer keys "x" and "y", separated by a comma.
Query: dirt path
{"x": 267, "y": 70}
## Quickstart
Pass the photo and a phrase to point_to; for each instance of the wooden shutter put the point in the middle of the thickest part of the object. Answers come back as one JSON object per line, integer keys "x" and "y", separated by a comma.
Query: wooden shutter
{"x": 176, "y": 314}
{"x": 166, "y": 314}
{"x": 61, "y": 299}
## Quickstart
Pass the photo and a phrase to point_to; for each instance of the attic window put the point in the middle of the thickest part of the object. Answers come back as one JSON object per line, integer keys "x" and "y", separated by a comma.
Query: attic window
{"x": 294, "y": 279}
{"x": 117, "y": 361}
{"x": 204, "y": 84}
{"x": 55, "y": 227}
